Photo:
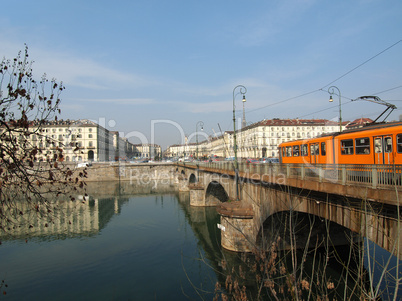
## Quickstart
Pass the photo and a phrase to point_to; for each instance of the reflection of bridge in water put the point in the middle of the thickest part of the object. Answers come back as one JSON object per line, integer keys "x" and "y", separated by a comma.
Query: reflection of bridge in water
{"x": 203, "y": 221}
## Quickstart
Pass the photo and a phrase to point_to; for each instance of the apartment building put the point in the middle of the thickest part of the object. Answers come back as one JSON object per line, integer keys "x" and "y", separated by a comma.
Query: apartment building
{"x": 148, "y": 151}
{"x": 263, "y": 138}
{"x": 257, "y": 140}
{"x": 80, "y": 140}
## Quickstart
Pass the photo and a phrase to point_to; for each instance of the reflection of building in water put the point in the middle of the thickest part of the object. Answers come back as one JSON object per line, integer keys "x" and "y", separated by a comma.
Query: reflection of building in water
{"x": 82, "y": 217}
{"x": 69, "y": 219}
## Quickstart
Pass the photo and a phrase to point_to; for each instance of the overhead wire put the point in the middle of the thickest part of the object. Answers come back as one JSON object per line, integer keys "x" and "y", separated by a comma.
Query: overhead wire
{"x": 330, "y": 108}
{"x": 365, "y": 62}
{"x": 349, "y": 102}
{"x": 397, "y": 87}
{"x": 282, "y": 101}
{"x": 322, "y": 89}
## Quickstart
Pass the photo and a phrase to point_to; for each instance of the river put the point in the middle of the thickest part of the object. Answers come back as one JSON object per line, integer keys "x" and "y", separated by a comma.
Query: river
{"x": 128, "y": 242}
{"x": 144, "y": 245}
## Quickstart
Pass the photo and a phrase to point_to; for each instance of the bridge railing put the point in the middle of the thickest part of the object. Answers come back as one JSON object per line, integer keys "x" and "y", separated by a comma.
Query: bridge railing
{"x": 373, "y": 176}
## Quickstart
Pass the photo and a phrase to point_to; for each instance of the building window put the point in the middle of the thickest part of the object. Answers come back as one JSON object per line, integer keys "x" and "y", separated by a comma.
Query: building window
{"x": 90, "y": 136}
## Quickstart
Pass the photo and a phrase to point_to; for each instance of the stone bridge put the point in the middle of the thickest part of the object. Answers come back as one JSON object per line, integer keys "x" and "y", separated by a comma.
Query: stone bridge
{"x": 350, "y": 200}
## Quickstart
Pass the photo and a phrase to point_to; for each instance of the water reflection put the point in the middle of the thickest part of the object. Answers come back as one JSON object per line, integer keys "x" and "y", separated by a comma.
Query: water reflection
{"x": 85, "y": 216}
{"x": 146, "y": 241}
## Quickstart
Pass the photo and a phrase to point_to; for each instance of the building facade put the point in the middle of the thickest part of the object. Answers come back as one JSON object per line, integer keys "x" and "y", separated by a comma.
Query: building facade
{"x": 257, "y": 140}
{"x": 81, "y": 140}
{"x": 147, "y": 151}
{"x": 263, "y": 138}
{"x": 84, "y": 140}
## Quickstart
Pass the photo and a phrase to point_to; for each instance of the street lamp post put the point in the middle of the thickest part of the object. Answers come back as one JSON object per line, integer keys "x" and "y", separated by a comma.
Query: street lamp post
{"x": 196, "y": 134}
{"x": 331, "y": 92}
{"x": 242, "y": 90}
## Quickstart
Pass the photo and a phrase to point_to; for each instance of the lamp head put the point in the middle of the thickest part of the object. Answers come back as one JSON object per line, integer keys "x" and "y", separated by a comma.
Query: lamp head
{"x": 202, "y": 128}
{"x": 330, "y": 99}
{"x": 244, "y": 98}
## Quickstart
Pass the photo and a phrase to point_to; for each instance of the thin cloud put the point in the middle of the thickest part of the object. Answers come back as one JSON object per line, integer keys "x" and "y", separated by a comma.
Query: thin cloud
{"x": 86, "y": 73}
{"x": 74, "y": 70}
{"x": 124, "y": 101}
{"x": 273, "y": 21}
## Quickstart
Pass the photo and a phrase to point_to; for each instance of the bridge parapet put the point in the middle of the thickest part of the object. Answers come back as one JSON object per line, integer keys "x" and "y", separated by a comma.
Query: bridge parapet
{"x": 379, "y": 183}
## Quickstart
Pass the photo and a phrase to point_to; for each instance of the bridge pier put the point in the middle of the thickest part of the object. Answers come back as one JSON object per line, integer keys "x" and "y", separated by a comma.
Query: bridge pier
{"x": 182, "y": 183}
{"x": 197, "y": 195}
{"x": 236, "y": 224}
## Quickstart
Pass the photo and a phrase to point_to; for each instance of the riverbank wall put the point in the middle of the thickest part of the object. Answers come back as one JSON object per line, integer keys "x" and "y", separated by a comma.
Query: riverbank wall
{"x": 136, "y": 174}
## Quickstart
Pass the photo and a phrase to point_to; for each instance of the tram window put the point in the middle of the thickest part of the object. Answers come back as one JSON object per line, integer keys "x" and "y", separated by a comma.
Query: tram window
{"x": 347, "y": 147}
{"x": 283, "y": 152}
{"x": 377, "y": 145}
{"x": 323, "y": 149}
{"x": 296, "y": 152}
{"x": 399, "y": 143}
{"x": 304, "y": 149}
{"x": 314, "y": 149}
{"x": 362, "y": 145}
{"x": 388, "y": 144}
{"x": 288, "y": 151}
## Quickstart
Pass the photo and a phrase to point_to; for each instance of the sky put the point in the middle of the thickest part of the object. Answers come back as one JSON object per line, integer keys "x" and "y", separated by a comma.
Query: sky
{"x": 153, "y": 69}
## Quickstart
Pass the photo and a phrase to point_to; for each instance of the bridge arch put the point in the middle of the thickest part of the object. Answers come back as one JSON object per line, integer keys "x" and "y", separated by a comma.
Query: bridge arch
{"x": 215, "y": 194}
{"x": 192, "y": 179}
{"x": 310, "y": 231}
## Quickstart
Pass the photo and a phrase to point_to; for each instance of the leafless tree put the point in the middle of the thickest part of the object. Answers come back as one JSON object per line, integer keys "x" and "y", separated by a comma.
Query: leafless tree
{"x": 27, "y": 171}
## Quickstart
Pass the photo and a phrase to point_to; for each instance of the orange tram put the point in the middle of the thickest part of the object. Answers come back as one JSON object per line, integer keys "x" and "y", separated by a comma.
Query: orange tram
{"x": 372, "y": 144}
